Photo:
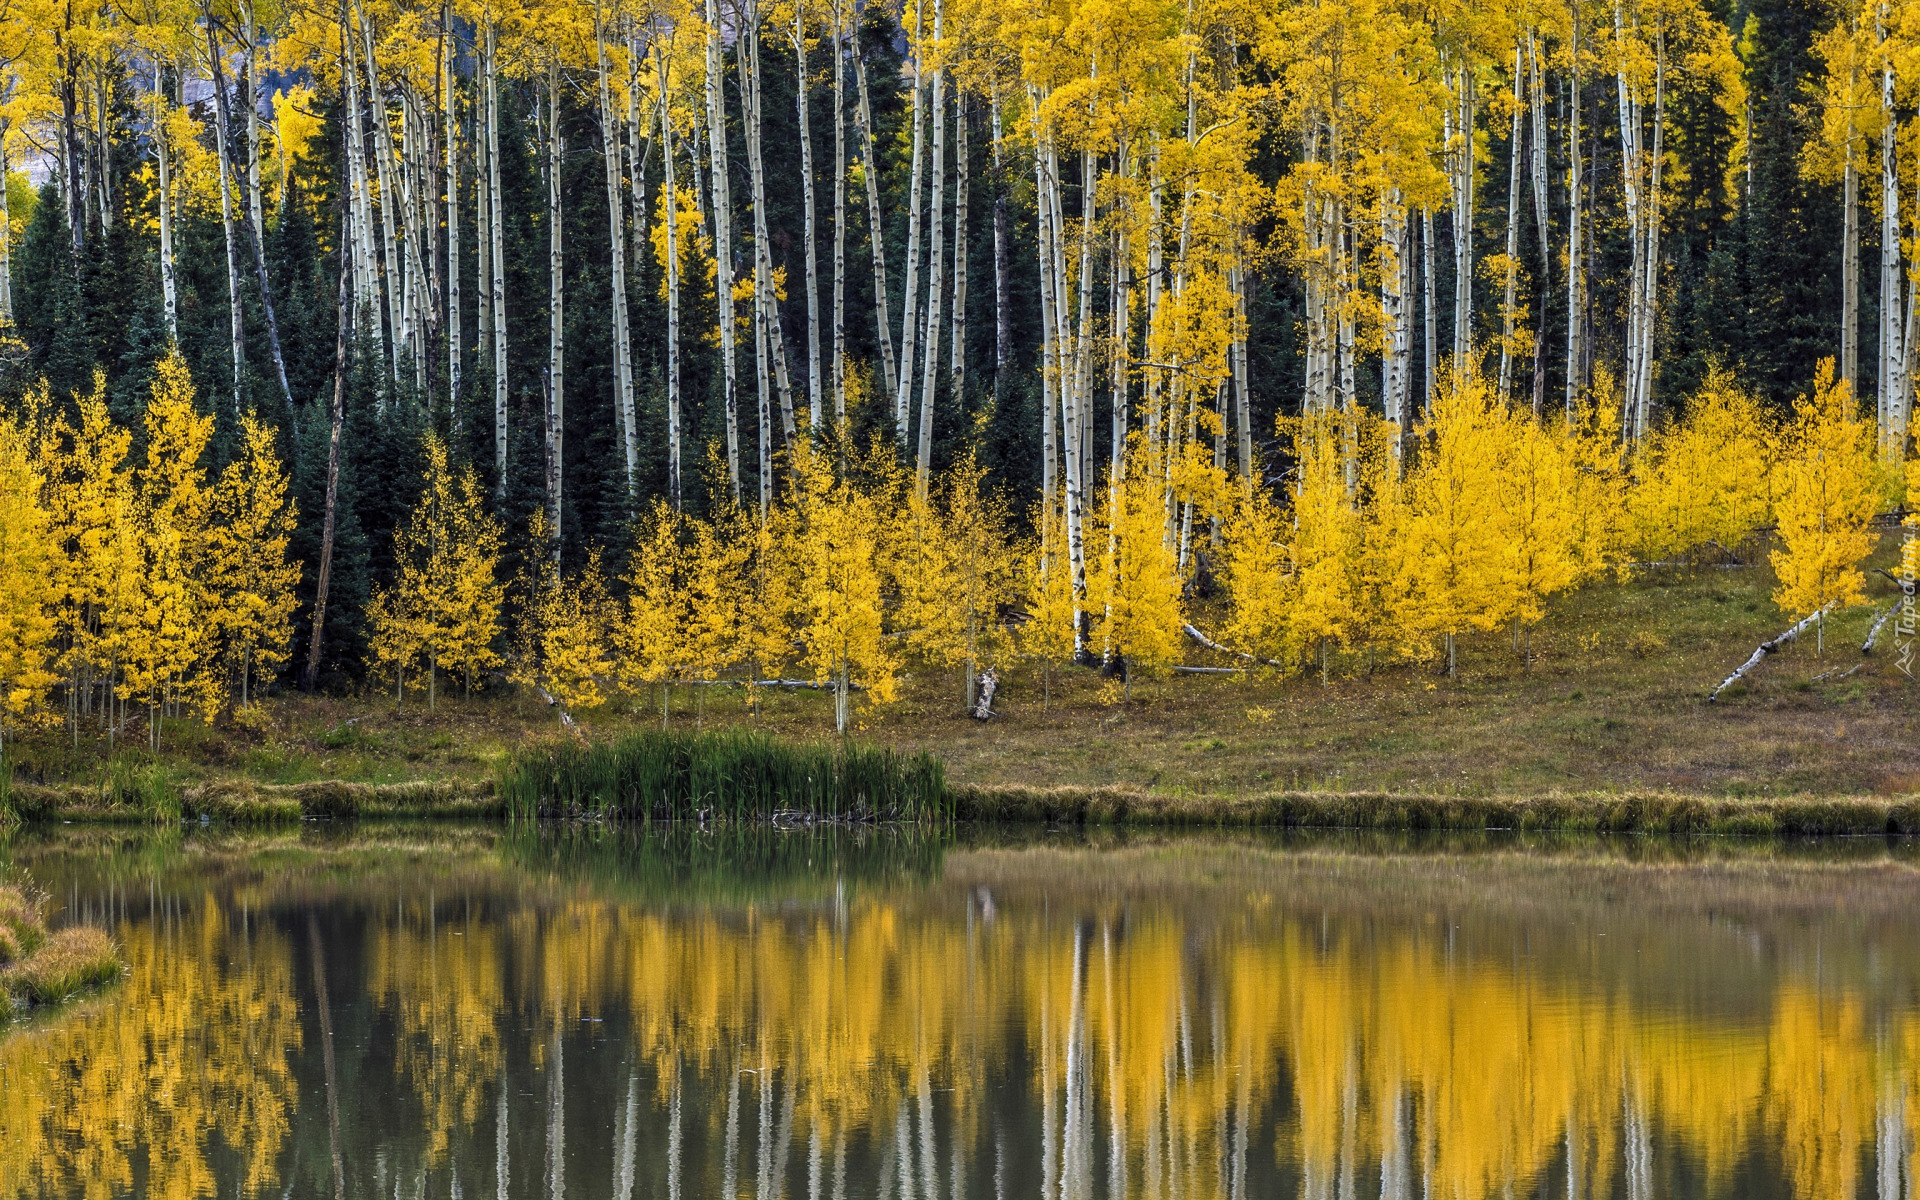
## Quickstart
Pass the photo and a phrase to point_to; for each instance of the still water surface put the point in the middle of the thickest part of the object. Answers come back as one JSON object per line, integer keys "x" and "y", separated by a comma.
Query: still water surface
{"x": 576, "y": 1012}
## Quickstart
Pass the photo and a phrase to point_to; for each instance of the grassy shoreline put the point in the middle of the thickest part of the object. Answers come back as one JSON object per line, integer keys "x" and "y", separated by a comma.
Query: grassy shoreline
{"x": 1670, "y": 813}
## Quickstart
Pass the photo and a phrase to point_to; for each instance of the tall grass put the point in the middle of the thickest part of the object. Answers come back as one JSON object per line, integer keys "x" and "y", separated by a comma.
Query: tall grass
{"x": 725, "y": 775}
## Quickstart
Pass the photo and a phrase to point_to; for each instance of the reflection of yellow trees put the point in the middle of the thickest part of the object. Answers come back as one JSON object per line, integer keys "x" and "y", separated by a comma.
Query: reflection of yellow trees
{"x": 192, "y": 1047}
{"x": 443, "y": 984}
{"x": 1162, "y": 1054}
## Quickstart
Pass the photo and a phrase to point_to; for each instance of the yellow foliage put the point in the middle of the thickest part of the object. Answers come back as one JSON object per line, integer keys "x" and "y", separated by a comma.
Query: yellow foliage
{"x": 1829, "y": 493}
{"x": 1134, "y": 587}
{"x": 1704, "y": 480}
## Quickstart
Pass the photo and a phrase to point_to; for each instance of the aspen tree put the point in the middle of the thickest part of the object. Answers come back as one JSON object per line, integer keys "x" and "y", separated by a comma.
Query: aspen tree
{"x": 1324, "y": 563}
{"x": 247, "y": 576}
{"x": 716, "y": 93}
{"x": 839, "y": 537}
{"x": 804, "y": 85}
{"x": 575, "y": 616}
{"x": 1537, "y": 495}
{"x": 1052, "y": 627}
{"x": 1254, "y": 559}
{"x": 27, "y": 555}
{"x": 1828, "y": 496}
{"x": 1455, "y": 545}
{"x": 1137, "y": 587}
{"x": 1705, "y": 480}
{"x": 954, "y": 572}
{"x": 653, "y": 637}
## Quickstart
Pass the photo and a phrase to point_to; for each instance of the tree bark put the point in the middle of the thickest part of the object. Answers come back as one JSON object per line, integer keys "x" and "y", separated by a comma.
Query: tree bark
{"x": 556, "y": 311}
{"x": 617, "y": 268}
{"x": 1538, "y": 155}
{"x": 1892, "y": 353}
{"x": 456, "y": 349}
{"x": 238, "y": 330}
{"x": 957, "y": 390}
{"x": 839, "y": 223}
{"x": 1513, "y": 233}
{"x": 1576, "y": 291}
{"x": 908, "y": 326}
{"x": 1463, "y": 225}
{"x": 772, "y": 343}
{"x": 722, "y": 201}
{"x": 670, "y": 202}
{"x": 1002, "y": 325}
{"x": 324, "y": 575}
{"x": 397, "y": 331}
{"x": 936, "y": 279}
{"x": 803, "y": 82}
{"x": 496, "y": 234}
{"x": 1431, "y": 349}
{"x": 255, "y": 231}
{"x": 876, "y": 233}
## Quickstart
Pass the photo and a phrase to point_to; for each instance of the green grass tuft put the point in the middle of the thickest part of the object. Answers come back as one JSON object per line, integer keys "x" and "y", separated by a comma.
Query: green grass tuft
{"x": 726, "y": 775}
{"x": 71, "y": 961}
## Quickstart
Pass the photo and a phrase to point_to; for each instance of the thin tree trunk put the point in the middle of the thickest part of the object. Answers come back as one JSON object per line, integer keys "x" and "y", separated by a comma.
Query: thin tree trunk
{"x": 908, "y": 326}
{"x": 766, "y": 305}
{"x": 1513, "y": 233}
{"x": 324, "y": 574}
{"x": 1538, "y": 155}
{"x": 671, "y": 202}
{"x": 456, "y": 350}
{"x": 803, "y": 82}
{"x": 1850, "y": 274}
{"x": 839, "y": 223}
{"x": 325, "y": 1008}
{"x": 722, "y": 201}
{"x": 1463, "y": 226}
{"x": 1432, "y": 346}
{"x": 617, "y": 269}
{"x": 936, "y": 279}
{"x": 398, "y": 333}
{"x": 234, "y": 309}
{"x": 1892, "y": 354}
{"x": 1650, "y": 281}
{"x": 256, "y": 230}
{"x": 1576, "y": 292}
{"x": 876, "y": 233}
{"x": 961, "y": 151}
{"x": 496, "y": 232}
{"x": 1002, "y": 324}
{"x": 556, "y": 311}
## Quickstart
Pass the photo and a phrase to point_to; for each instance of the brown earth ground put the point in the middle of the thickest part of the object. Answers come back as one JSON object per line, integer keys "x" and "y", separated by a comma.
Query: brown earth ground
{"x": 1613, "y": 701}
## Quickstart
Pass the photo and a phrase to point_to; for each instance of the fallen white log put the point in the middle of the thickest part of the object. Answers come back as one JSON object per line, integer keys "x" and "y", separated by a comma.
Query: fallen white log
{"x": 1209, "y": 670}
{"x": 1765, "y": 649}
{"x": 566, "y": 718}
{"x": 1873, "y": 635}
{"x": 1210, "y": 644}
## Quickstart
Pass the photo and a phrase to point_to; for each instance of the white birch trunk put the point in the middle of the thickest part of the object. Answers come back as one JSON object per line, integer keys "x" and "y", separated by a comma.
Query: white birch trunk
{"x": 670, "y": 206}
{"x": 617, "y": 267}
{"x": 1850, "y": 273}
{"x": 496, "y": 233}
{"x": 936, "y": 280}
{"x": 815, "y": 379}
{"x": 1395, "y": 308}
{"x": 1892, "y": 353}
{"x": 556, "y": 311}
{"x": 839, "y": 223}
{"x": 1513, "y": 234}
{"x": 1650, "y": 279}
{"x": 163, "y": 153}
{"x": 1538, "y": 154}
{"x": 1632, "y": 168}
{"x": 882, "y": 317}
{"x": 1431, "y": 348}
{"x": 1576, "y": 292}
{"x": 908, "y": 327}
{"x": 238, "y": 331}
{"x": 1463, "y": 224}
{"x": 722, "y": 201}
{"x": 957, "y": 390}
{"x": 397, "y": 331}
{"x": 766, "y": 304}
{"x": 456, "y": 349}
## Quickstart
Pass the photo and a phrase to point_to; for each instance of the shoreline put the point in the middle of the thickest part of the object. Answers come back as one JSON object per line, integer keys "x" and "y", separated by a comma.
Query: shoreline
{"x": 1675, "y": 814}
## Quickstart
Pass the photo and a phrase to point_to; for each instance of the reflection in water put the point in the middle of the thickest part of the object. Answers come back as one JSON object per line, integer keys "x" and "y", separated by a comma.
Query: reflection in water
{"x": 589, "y": 1013}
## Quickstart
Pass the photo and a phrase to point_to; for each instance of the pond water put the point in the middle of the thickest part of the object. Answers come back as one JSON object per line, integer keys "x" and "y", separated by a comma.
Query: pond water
{"x": 447, "y": 1011}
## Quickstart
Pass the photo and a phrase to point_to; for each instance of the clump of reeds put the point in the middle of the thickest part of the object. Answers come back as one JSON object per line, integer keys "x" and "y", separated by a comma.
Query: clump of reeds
{"x": 722, "y": 775}
{"x": 45, "y": 969}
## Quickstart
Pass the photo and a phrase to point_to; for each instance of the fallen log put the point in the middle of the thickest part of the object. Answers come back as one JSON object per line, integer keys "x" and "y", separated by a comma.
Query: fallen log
{"x": 1873, "y": 635}
{"x": 1242, "y": 655}
{"x": 566, "y": 718}
{"x": 1209, "y": 670}
{"x": 1765, "y": 649}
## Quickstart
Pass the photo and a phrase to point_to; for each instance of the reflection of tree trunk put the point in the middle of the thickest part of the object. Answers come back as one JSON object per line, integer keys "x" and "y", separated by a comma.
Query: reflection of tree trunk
{"x": 500, "y": 1145}
{"x": 730, "y": 1168}
{"x": 326, "y": 1056}
{"x": 673, "y": 1138}
{"x": 556, "y": 1119}
{"x": 627, "y": 1140}
{"x": 333, "y": 458}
